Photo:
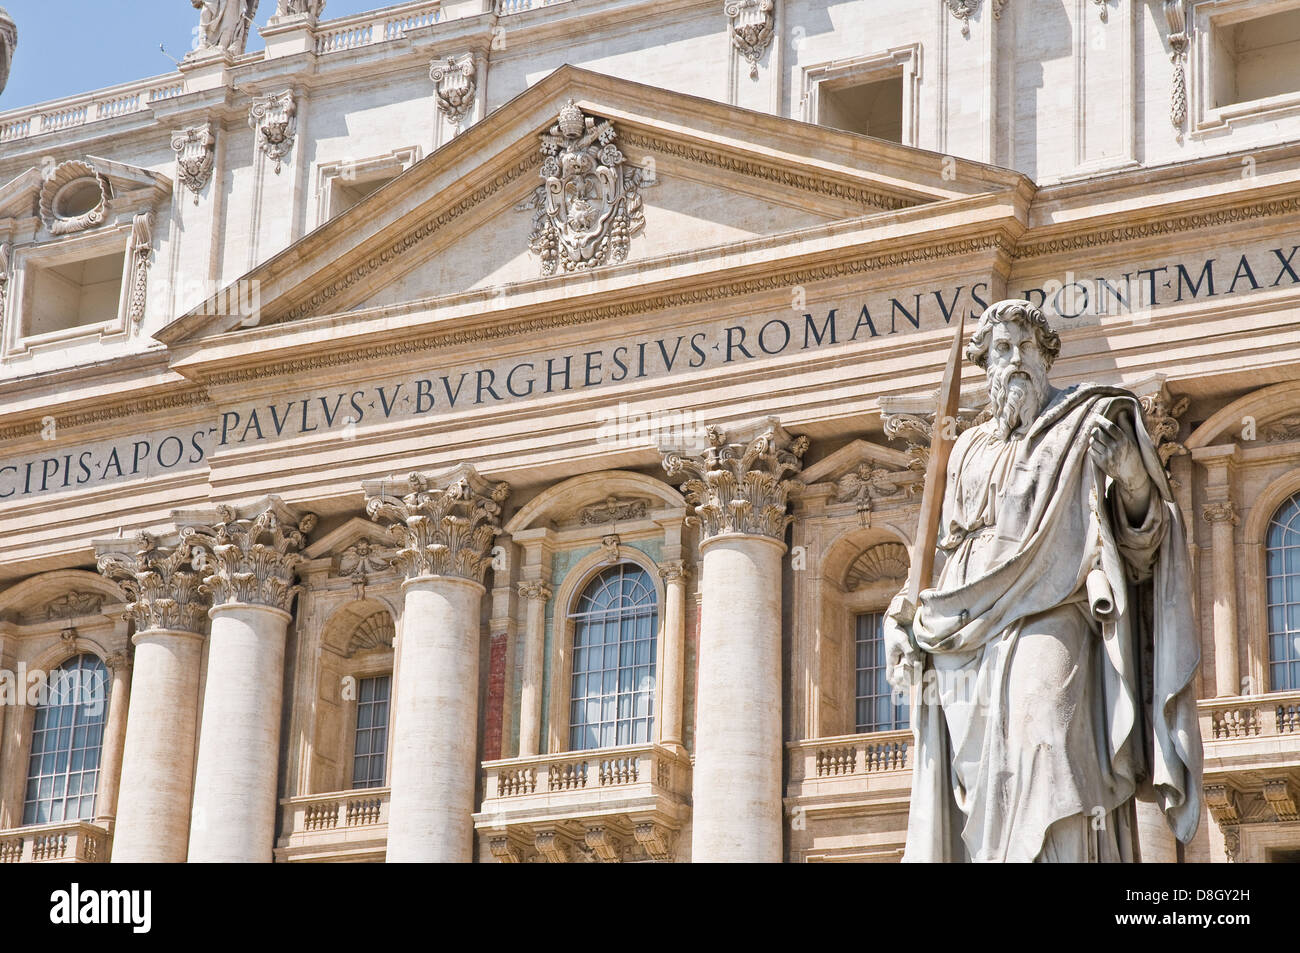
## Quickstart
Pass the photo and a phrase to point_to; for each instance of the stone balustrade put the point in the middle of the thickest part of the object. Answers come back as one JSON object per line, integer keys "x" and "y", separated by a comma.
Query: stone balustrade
{"x": 625, "y": 803}
{"x": 343, "y": 825}
{"x": 1250, "y": 716}
{"x": 382, "y": 26}
{"x": 69, "y": 842}
{"x": 78, "y": 110}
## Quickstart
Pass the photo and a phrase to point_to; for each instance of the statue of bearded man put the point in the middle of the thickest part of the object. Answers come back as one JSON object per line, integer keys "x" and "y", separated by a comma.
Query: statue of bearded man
{"x": 224, "y": 24}
{"x": 1056, "y": 653}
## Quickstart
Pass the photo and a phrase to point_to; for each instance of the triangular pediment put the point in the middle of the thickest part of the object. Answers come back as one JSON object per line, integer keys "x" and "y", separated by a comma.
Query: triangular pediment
{"x": 857, "y": 456}
{"x": 470, "y": 221}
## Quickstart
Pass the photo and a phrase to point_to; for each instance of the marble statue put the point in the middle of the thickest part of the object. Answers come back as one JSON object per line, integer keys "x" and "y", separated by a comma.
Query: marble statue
{"x": 8, "y": 43}
{"x": 1053, "y": 661}
{"x": 224, "y": 24}
{"x": 291, "y": 7}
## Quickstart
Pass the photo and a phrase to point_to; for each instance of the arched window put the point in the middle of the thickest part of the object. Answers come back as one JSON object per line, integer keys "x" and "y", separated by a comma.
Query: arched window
{"x": 615, "y": 626}
{"x": 1283, "y": 570}
{"x": 67, "y": 735}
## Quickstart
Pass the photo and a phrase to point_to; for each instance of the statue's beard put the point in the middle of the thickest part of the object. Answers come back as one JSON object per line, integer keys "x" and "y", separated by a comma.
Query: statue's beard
{"x": 1015, "y": 397}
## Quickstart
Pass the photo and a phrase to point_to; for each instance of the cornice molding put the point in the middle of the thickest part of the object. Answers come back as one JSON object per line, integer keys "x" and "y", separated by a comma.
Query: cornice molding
{"x": 821, "y": 185}
{"x": 644, "y": 305}
{"x": 190, "y": 397}
{"x": 1182, "y": 223}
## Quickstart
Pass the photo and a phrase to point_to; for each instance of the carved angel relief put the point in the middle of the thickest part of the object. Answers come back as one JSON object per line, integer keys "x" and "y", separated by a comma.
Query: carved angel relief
{"x": 865, "y": 484}
{"x": 751, "y": 24}
{"x": 454, "y": 87}
{"x": 588, "y": 206}
{"x": 195, "y": 149}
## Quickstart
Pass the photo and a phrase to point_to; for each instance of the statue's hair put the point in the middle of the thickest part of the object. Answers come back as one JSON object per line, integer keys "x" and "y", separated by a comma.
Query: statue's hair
{"x": 1049, "y": 342}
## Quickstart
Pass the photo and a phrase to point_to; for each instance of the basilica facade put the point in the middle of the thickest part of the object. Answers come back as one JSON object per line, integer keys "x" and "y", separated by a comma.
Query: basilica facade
{"x": 493, "y": 429}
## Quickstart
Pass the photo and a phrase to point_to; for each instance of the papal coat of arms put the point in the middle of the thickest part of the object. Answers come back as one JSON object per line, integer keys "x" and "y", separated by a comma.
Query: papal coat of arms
{"x": 588, "y": 206}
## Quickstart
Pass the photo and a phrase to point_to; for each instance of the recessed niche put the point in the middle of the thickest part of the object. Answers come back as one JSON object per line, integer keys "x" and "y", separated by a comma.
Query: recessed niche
{"x": 1257, "y": 59}
{"x": 873, "y": 108}
{"x": 73, "y": 295}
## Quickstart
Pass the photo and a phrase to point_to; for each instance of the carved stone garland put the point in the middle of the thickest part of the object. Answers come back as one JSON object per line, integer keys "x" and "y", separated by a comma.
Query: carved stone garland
{"x": 441, "y": 530}
{"x": 5, "y": 251}
{"x": 454, "y": 87}
{"x": 141, "y": 251}
{"x": 162, "y": 587}
{"x": 1176, "y": 16}
{"x": 588, "y": 206}
{"x": 274, "y": 120}
{"x": 251, "y": 560}
{"x": 195, "y": 149}
{"x": 751, "y": 24}
{"x": 741, "y": 488}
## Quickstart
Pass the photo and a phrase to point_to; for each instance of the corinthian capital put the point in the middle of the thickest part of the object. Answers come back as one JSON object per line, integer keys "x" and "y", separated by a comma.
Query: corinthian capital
{"x": 1221, "y": 512}
{"x": 161, "y": 585}
{"x": 250, "y": 553}
{"x": 739, "y": 484}
{"x": 444, "y": 525}
{"x": 534, "y": 590}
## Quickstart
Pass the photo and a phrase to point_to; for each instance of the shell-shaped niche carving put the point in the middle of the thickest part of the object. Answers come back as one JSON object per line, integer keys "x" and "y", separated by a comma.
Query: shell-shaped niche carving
{"x": 73, "y": 198}
{"x": 374, "y": 631}
{"x": 884, "y": 562}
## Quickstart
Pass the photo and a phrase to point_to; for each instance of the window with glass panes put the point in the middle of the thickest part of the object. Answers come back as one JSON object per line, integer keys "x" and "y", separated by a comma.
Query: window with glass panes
{"x": 371, "y": 746}
{"x": 67, "y": 738}
{"x": 877, "y": 708}
{"x": 1282, "y": 566}
{"x": 614, "y": 632}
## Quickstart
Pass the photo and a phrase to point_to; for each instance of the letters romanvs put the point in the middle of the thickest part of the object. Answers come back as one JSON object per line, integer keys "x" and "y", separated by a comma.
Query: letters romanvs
{"x": 1056, "y": 650}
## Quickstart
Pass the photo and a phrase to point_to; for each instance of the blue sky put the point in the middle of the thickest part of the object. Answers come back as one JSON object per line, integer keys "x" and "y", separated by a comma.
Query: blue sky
{"x": 67, "y": 47}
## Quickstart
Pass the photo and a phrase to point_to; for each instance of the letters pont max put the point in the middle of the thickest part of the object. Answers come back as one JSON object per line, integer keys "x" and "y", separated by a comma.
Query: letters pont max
{"x": 343, "y": 411}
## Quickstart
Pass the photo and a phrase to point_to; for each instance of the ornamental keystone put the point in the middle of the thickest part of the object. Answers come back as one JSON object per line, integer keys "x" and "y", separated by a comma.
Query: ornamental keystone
{"x": 161, "y": 585}
{"x": 443, "y": 525}
{"x": 740, "y": 483}
{"x": 250, "y": 552}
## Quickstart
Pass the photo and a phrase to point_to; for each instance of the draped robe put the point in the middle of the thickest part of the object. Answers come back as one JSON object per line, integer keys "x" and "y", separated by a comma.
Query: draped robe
{"x": 1040, "y": 713}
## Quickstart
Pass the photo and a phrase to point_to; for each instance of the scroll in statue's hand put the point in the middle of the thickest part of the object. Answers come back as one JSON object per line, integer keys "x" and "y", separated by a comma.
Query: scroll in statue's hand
{"x": 901, "y": 658}
{"x": 1119, "y": 458}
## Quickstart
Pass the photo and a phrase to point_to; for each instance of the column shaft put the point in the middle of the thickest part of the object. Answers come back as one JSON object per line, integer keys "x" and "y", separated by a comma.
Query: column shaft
{"x": 235, "y": 782}
{"x": 110, "y": 765}
{"x": 1227, "y": 675}
{"x": 153, "y": 818}
{"x": 670, "y": 732}
{"x": 530, "y": 699}
{"x": 737, "y": 778}
{"x": 435, "y": 757}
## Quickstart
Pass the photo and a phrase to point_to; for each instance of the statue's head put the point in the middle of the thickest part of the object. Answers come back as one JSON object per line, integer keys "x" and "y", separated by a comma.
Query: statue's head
{"x": 1015, "y": 346}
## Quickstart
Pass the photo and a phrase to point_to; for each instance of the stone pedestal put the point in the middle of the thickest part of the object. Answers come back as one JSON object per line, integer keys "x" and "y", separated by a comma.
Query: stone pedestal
{"x": 445, "y": 526}
{"x": 740, "y": 490}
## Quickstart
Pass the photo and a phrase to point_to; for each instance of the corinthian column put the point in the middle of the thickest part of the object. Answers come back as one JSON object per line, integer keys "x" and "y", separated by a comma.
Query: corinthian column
{"x": 739, "y": 489}
{"x": 444, "y": 527}
{"x": 250, "y": 555}
{"x": 1222, "y": 518}
{"x": 157, "y": 782}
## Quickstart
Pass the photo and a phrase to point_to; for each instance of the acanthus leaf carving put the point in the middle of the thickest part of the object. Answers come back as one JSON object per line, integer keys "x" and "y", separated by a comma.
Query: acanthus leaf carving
{"x": 454, "y": 87}
{"x": 274, "y": 120}
{"x": 163, "y": 588}
{"x": 589, "y": 204}
{"x": 443, "y": 527}
{"x": 195, "y": 149}
{"x": 1160, "y": 413}
{"x": 741, "y": 487}
{"x": 251, "y": 559}
{"x": 751, "y": 24}
{"x": 916, "y": 431}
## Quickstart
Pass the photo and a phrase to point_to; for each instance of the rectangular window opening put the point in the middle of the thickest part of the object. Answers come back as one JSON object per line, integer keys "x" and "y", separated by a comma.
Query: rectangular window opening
{"x": 1256, "y": 59}
{"x": 73, "y": 295}
{"x": 870, "y": 108}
